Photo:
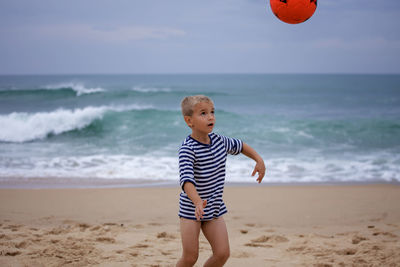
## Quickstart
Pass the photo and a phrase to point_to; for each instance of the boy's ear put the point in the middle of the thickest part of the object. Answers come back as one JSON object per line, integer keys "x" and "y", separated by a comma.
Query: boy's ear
{"x": 188, "y": 120}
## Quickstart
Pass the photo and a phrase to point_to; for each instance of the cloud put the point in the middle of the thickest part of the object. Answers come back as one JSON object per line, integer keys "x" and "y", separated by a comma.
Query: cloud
{"x": 371, "y": 43}
{"x": 86, "y": 32}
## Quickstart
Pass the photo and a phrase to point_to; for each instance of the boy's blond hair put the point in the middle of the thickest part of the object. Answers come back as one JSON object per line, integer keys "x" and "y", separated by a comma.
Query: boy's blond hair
{"x": 189, "y": 102}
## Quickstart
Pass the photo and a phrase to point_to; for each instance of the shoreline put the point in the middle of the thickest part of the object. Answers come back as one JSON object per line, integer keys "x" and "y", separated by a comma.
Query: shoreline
{"x": 338, "y": 225}
{"x": 71, "y": 183}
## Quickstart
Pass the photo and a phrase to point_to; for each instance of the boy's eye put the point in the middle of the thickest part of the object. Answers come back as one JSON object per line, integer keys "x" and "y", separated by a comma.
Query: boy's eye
{"x": 203, "y": 113}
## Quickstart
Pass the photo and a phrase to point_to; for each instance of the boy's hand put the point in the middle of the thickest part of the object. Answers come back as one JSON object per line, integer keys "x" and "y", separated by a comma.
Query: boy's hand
{"x": 260, "y": 168}
{"x": 199, "y": 212}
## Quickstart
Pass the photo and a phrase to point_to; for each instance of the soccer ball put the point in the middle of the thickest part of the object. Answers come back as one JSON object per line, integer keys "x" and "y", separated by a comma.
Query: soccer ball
{"x": 293, "y": 11}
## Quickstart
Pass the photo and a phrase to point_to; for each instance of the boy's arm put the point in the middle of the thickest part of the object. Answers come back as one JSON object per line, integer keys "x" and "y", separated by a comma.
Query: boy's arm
{"x": 260, "y": 166}
{"x": 200, "y": 204}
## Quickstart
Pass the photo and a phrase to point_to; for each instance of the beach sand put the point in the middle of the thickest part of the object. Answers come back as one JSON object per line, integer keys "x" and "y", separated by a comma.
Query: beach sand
{"x": 313, "y": 225}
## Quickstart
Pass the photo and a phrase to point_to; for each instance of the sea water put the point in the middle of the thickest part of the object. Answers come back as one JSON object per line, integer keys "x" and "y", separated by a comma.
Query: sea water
{"x": 308, "y": 128}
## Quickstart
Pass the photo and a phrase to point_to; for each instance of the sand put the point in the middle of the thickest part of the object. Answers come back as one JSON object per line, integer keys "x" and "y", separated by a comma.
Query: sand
{"x": 349, "y": 225}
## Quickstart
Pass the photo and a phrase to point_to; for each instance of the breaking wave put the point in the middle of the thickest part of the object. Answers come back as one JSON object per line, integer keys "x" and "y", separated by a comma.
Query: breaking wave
{"x": 78, "y": 88}
{"x": 23, "y": 127}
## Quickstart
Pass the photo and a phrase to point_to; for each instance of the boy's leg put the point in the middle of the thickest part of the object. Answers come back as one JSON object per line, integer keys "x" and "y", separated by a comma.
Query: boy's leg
{"x": 216, "y": 233}
{"x": 190, "y": 231}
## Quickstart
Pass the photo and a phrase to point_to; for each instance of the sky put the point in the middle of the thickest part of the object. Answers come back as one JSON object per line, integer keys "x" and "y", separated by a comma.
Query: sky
{"x": 185, "y": 36}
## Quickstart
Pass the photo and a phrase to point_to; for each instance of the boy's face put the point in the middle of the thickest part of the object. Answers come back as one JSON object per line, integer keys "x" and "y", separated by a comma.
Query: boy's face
{"x": 202, "y": 120}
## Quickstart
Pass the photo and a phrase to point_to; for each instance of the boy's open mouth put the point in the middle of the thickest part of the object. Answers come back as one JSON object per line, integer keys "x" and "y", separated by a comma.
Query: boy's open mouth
{"x": 211, "y": 124}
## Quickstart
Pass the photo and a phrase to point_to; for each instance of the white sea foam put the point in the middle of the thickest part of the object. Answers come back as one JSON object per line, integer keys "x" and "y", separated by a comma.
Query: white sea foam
{"x": 150, "y": 89}
{"x": 97, "y": 166}
{"x": 356, "y": 168}
{"x": 79, "y": 88}
{"x": 23, "y": 127}
{"x": 239, "y": 169}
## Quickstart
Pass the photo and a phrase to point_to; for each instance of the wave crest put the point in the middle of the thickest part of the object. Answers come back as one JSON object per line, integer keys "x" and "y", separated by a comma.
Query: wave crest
{"x": 150, "y": 89}
{"x": 79, "y": 88}
{"x": 23, "y": 127}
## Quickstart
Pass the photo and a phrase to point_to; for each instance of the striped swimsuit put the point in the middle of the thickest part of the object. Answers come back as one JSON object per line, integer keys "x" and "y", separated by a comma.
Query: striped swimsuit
{"x": 204, "y": 166}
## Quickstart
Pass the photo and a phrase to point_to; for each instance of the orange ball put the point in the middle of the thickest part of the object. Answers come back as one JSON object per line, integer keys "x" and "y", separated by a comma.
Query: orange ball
{"x": 293, "y": 11}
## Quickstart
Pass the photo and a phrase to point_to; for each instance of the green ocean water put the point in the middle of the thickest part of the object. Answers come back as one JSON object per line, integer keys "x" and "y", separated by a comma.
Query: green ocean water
{"x": 308, "y": 128}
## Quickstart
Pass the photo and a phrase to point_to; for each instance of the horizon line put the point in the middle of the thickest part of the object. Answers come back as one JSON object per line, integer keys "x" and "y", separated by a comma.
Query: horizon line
{"x": 204, "y": 73}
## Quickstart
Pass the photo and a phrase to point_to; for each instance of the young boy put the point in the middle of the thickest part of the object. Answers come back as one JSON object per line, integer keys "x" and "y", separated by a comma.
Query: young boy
{"x": 202, "y": 159}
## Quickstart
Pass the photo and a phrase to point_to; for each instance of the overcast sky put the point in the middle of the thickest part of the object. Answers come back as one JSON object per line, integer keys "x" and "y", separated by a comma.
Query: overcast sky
{"x": 207, "y": 36}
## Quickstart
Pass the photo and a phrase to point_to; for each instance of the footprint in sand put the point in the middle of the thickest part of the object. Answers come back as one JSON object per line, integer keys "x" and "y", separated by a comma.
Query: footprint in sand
{"x": 389, "y": 234}
{"x": 36, "y": 240}
{"x": 95, "y": 228}
{"x": 165, "y": 235}
{"x": 322, "y": 265}
{"x": 257, "y": 245}
{"x": 110, "y": 224}
{"x": 271, "y": 238}
{"x": 359, "y": 262}
{"x": 3, "y": 236}
{"x": 106, "y": 228}
{"x": 13, "y": 227}
{"x": 108, "y": 257}
{"x": 105, "y": 239}
{"x": 22, "y": 244}
{"x": 140, "y": 246}
{"x": 166, "y": 253}
{"x": 242, "y": 255}
{"x": 296, "y": 249}
{"x": 346, "y": 251}
{"x": 357, "y": 239}
{"x": 11, "y": 253}
{"x": 244, "y": 231}
{"x": 134, "y": 253}
{"x": 83, "y": 226}
{"x": 57, "y": 231}
{"x": 260, "y": 242}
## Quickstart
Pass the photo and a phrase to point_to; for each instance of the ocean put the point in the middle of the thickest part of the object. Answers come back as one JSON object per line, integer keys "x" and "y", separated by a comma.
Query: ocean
{"x": 308, "y": 128}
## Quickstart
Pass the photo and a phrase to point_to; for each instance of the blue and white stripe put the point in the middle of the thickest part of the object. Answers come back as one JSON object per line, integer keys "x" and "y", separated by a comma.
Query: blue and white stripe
{"x": 204, "y": 166}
